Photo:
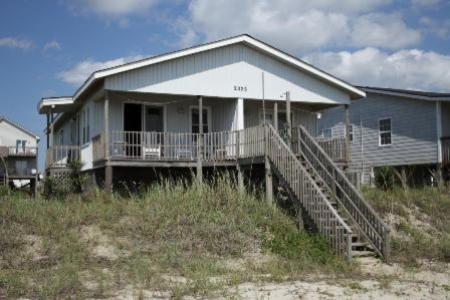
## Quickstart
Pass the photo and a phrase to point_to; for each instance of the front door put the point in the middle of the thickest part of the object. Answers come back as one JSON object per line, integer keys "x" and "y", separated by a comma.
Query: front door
{"x": 132, "y": 115}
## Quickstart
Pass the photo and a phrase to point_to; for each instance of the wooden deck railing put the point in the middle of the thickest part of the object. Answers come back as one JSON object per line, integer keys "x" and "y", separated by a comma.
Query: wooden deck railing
{"x": 313, "y": 200}
{"x": 172, "y": 146}
{"x": 370, "y": 224}
{"x": 335, "y": 148}
{"x": 61, "y": 155}
{"x": 445, "y": 149}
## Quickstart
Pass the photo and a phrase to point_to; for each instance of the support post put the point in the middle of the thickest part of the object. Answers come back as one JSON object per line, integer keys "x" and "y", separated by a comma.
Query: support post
{"x": 33, "y": 186}
{"x": 106, "y": 126}
{"x": 200, "y": 141}
{"x": 48, "y": 130}
{"x": 108, "y": 167}
{"x": 51, "y": 128}
{"x": 275, "y": 116}
{"x": 269, "y": 182}
{"x": 288, "y": 118}
{"x": 108, "y": 178}
{"x": 347, "y": 134}
{"x": 239, "y": 123}
{"x": 240, "y": 178}
{"x": 267, "y": 168}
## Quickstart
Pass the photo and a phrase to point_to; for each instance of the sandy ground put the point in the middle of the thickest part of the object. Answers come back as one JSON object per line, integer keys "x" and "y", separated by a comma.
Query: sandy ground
{"x": 381, "y": 281}
{"x": 378, "y": 280}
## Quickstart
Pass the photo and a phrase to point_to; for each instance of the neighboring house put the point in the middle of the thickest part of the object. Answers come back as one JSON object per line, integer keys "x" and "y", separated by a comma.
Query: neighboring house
{"x": 393, "y": 127}
{"x": 203, "y": 109}
{"x": 18, "y": 154}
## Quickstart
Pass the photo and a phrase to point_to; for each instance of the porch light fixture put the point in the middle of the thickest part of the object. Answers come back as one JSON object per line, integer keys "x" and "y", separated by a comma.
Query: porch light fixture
{"x": 319, "y": 116}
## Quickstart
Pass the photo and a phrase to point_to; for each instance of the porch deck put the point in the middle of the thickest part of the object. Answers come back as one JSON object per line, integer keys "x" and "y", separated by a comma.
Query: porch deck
{"x": 165, "y": 149}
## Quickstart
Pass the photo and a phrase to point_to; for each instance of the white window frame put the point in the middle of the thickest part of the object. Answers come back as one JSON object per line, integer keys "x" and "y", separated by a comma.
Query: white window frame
{"x": 208, "y": 112}
{"x": 21, "y": 145}
{"x": 351, "y": 134}
{"x": 384, "y": 131}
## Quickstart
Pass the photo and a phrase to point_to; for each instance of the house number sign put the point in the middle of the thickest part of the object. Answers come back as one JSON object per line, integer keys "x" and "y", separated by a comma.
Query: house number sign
{"x": 240, "y": 88}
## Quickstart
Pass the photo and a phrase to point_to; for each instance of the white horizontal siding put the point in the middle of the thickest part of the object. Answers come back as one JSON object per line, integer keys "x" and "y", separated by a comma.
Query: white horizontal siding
{"x": 9, "y": 134}
{"x": 216, "y": 72}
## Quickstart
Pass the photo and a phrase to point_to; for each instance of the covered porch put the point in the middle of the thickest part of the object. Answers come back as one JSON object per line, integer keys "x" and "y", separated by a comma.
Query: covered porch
{"x": 149, "y": 129}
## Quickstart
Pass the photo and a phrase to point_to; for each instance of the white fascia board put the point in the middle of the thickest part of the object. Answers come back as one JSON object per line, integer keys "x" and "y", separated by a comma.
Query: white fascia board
{"x": 355, "y": 92}
{"x": 49, "y": 102}
{"x": 404, "y": 95}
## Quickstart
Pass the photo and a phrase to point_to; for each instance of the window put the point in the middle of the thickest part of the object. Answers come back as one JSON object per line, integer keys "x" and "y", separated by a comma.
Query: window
{"x": 385, "y": 132}
{"x": 20, "y": 146}
{"x": 327, "y": 133}
{"x": 85, "y": 132}
{"x": 270, "y": 119}
{"x": 195, "y": 120}
{"x": 350, "y": 133}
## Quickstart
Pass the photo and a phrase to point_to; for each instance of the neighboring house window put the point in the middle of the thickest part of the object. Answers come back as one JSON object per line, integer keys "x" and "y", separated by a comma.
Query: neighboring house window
{"x": 20, "y": 146}
{"x": 385, "y": 132}
{"x": 327, "y": 133}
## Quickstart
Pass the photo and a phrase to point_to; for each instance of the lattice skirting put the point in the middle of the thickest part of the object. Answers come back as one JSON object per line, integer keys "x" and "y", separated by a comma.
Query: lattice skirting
{"x": 60, "y": 178}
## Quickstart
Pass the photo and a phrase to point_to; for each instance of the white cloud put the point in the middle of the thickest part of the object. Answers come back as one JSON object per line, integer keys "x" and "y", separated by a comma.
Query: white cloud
{"x": 80, "y": 72}
{"x": 410, "y": 69}
{"x": 52, "y": 45}
{"x": 18, "y": 43}
{"x": 112, "y": 8}
{"x": 298, "y": 25}
{"x": 383, "y": 30}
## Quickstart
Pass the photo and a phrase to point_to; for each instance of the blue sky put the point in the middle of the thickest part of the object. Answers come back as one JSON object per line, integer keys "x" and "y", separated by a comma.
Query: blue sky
{"x": 47, "y": 48}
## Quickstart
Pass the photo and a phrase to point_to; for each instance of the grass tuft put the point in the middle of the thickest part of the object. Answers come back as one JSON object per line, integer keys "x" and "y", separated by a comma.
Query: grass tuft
{"x": 419, "y": 219}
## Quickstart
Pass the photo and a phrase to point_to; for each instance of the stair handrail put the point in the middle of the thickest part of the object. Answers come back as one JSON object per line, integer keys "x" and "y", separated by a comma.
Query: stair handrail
{"x": 351, "y": 193}
{"x": 272, "y": 135}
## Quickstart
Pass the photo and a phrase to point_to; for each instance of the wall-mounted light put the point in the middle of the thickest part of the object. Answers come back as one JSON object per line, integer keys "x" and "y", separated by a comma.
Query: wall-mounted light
{"x": 319, "y": 116}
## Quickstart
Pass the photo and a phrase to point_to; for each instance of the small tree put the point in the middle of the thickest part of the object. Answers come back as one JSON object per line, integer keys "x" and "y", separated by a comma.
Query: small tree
{"x": 77, "y": 180}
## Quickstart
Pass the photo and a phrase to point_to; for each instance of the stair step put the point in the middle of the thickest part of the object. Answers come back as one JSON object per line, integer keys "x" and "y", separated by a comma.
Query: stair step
{"x": 362, "y": 253}
{"x": 359, "y": 244}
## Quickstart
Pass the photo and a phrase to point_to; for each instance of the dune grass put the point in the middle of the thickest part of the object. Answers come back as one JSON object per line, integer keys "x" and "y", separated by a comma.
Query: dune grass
{"x": 178, "y": 238}
{"x": 419, "y": 218}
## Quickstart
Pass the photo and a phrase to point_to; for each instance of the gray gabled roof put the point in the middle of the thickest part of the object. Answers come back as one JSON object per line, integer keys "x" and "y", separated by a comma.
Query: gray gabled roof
{"x": 420, "y": 95}
{"x": 354, "y": 92}
{"x": 18, "y": 126}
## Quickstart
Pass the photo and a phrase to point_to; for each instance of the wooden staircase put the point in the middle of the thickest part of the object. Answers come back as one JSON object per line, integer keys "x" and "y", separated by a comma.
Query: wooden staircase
{"x": 338, "y": 211}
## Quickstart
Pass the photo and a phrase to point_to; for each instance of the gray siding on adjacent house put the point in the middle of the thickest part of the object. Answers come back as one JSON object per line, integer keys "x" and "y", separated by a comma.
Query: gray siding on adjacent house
{"x": 414, "y": 132}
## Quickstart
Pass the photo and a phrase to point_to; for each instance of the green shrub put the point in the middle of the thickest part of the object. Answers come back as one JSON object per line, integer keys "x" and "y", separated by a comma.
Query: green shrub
{"x": 384, "y": 177}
